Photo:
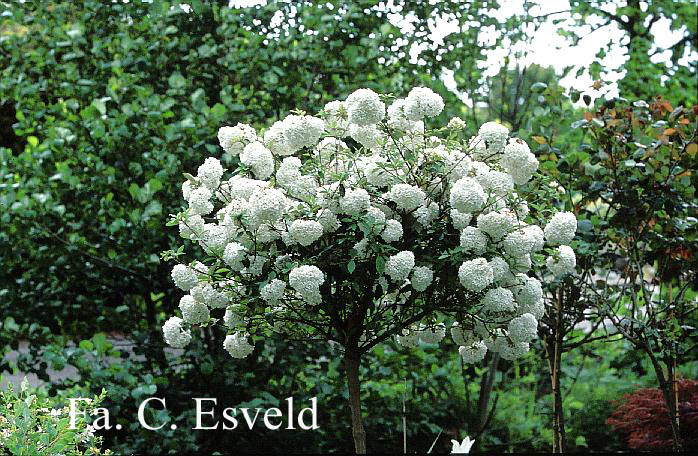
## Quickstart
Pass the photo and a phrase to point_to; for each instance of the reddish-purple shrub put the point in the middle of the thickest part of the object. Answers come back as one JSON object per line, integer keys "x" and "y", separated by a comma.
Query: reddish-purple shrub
{"x": 644, "y": 417}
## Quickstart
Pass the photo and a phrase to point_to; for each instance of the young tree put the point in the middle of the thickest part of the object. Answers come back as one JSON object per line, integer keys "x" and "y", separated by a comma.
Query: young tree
{"x": 357, "y": 226}
{"x": 640, "y": 196}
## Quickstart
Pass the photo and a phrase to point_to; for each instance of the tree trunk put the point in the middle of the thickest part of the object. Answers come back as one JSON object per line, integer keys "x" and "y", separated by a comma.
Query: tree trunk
{"x": 351, "y": 363}
{"x": 667, "y": 389}
{"x": 553, "y": 350}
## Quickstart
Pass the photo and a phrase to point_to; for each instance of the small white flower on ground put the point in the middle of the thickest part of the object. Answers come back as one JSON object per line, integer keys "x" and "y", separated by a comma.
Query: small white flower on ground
{"x": 462, "y": 447}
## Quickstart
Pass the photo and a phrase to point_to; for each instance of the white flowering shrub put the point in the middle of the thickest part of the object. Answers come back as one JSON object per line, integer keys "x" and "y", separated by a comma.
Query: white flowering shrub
{"x": 362, "y": 223}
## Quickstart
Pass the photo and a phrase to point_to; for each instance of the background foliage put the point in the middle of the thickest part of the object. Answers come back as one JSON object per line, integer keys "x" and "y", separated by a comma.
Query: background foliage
{"x": 103, "y": 105}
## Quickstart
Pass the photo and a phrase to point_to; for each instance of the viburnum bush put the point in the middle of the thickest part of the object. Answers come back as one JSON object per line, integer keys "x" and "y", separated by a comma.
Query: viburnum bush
{"x": 364, "y": 223}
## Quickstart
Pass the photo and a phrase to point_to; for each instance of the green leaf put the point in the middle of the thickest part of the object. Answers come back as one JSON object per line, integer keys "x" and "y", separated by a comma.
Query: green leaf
{"x": 380, "y": 264}
{"x": 351, "y": 266}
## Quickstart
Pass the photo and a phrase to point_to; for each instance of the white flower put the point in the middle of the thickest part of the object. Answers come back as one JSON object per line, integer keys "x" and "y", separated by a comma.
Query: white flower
{"x": 206, "y": 294}
{"x": 200, "y": 201}
{"x": 231, "y": 318}
{"x": 561, "y": 228}
{"x": 476, "y": 275}
{"x": 498, "y": 300}
{"x": 456, "y": 123}
{"x": 496, "y": 182}
{"x": 273, "y": 291}
{"x": 237, "y": 345}
{"x": 259, "y": 159}
{"x": 500, "y": 269}
{"x": 192, "y": 227}
{"x": 367, "y": 135}
{"x": 565, "y": 262}
{"x": 210, "y": 173}
{"x": 330, "y": 147}
{"x": 459, "y": 219}
{"x": 422, "y": 277}
{"x": 193, "y": 311}
{"x": 495, "y": 136}
{"x": 302, "y": 131}
{"x": 427, "y": 213}
{"x": 473, "y": 240}
{"x": 478, "y": 148}
{"x": 523, "y": 328}
{"x": 336, "y": 116}
{"x": 519, "y": 243}
{"x": 467, "y": 195}
{"x": 234, "y": 139}
{"x": 398, "y": 266}
{"x": 305, "y": 232}
{"x": 518, "y": 161}
{"x": 233, "y": 255}
{"x": 392, "y": 231}
{"x": 473, "y": 353}
{"x": 174, "y": 335}
{"x": 364, "y": 107}
{"x": 406, "y": 197}
{"x": 184, "y": 277}
{"x": 328, "y": 220}
{"x": 275, "y": 139}
{"x": 529, "y": 295}
{"x": 496, "y": 224}
{"x": 355, "y": 202}
{"x": 433, "y": 335}
{"x": 422, "y": 102}
{"x": 214, "y": 237}
{"x": 537, "y": 235}
{"x": 397, "y": 118}
{"x": 268, "y": 205}
{"x": 306, "y": 280}
{"x": 512, "y": 351}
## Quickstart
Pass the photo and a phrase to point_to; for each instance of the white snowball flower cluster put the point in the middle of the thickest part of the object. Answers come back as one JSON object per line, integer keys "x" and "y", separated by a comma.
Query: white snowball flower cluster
{"x": 364, "y": 107}
{"x": 561, "y": 228}
{"x": 467, "y": 195}
{"x": 193, "y": 311}
{"x": 422, "y": 102}
{"x": 518, "y": 161}
{"x": 476, "y": 275}
{"x": 355, "y": 202}
{"x": 259, "y": 159}
{"x": 523, "y": 328}
{"x": 399, "y": 266}
{"x": 473, "y": 240}
{"x": 234, "y": 139}
{"x": 422, "y": 276}
{"x": 473, "y": 353}
{"x": 410, "y": 337}
{"x": 495, "y": 136}
{"x": 565, "y": 262}
{"x": 498, "y": 300}
{"x": 184, "y": 277}
{"x": 406, "y": 197}
{"x": 392, "y": 231}
{"x": 273, "y": 291}
{"x": 306, "y": 280}
{"x": 360, "y": 205}
{"x": 237, "y": 345}
{"x": 305, "y": 232}
{"x": 175, "y": 335}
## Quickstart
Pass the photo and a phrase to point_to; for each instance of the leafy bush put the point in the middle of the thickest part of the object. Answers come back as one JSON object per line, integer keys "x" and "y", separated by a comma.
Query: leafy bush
{"x": 31, "y": 423}
{"x": 644, "y": 417}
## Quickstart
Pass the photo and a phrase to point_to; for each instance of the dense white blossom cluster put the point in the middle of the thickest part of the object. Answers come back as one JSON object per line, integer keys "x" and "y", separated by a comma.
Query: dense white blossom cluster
{"x": 237, "y": 345}
{"x": 364, "y": 203}
{"x": 175, "y": 335}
